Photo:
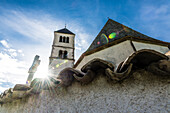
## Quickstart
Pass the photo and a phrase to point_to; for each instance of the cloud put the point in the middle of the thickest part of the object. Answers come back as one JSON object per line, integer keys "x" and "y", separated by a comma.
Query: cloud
{"x": 78, "y": 48}
{"x": 2, "y": 89}
{"x": 155, "y": 12}
{"x": 20, "y": 51}
{"x": 26, "y": 26}
{"x": 4, "y": 43}
{"x": 12, "y": 70}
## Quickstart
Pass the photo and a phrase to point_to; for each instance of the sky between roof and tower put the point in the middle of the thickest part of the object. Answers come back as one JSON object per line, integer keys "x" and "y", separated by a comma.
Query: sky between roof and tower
{"x": 27, "y": 27}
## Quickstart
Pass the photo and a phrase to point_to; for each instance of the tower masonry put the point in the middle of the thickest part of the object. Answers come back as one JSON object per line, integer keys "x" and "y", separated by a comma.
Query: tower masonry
{"x": 62, "y": 53}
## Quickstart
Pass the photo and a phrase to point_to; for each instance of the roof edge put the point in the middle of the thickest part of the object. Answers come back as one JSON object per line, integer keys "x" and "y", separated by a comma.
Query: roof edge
{"x": 111, "y": 20}
{"x": 63, "y": 33}
{"x": 138, "y": 39}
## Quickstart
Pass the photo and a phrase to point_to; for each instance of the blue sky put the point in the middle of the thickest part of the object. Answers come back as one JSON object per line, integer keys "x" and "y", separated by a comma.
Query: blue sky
{"x": 26, "y": 28}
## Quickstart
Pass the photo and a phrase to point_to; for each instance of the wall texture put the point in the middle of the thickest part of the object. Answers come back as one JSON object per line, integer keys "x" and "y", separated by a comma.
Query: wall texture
{"x": 140, "y": 45}
{"x": 115, "y": 54}
{"x": 141, "y": 92}
{"x": 119, "y": 52}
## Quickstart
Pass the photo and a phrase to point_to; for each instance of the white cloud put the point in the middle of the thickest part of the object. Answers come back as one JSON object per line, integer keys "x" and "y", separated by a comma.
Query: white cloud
{"x": 2, "y": 80}
{"x": 11, "y": 50}
{"x": 26, "y": 26}
{"x": 78, "y": 48}
{"x": 2, "y": 89}
{"x": 11, "y": 65}
{"x": 20, "y": 51}
{"x": 12, "y": 71}
{"x": 14, "y": 54}
{"x": 161, "y": 12}
{"x": 4, "y": 43}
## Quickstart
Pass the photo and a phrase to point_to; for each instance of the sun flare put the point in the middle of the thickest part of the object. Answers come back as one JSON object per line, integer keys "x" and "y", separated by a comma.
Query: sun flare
{"x": 42, "y": 72}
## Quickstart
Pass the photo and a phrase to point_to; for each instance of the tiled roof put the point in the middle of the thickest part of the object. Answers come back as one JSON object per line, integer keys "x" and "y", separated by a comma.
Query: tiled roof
{"x": 65, "y": 30}
{"x": 113, "y": 31}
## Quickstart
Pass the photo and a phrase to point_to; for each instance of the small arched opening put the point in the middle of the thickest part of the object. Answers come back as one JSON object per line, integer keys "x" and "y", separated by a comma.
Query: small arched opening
{"x": 60, "y": 54}
{"x": 65, "y": 54}
{"x": 67, "y": 41}
{"x": 64, "y": 39}
{"x": 60, "y": 40}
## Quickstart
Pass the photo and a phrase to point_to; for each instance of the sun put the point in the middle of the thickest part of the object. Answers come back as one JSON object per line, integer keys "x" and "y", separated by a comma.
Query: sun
{"x": 42, "y": 72}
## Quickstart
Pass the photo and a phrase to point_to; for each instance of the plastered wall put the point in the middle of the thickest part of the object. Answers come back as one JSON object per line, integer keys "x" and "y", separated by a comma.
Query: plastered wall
{"x": 114, "y": 54}
{"x": 57, "y": 37}
{"x": 141, "y": 92}
{"x": 140, "y": 45}
{"x": 119, "y": 52}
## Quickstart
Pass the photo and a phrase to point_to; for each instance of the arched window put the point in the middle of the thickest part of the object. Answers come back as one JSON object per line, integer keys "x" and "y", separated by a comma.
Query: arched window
{"x": 60, "y": 54}
{"x": 67, "y": 41}
{"x": 65, "y": 54}
{"x": 64, "y": 39}
{"x": 60, "y": 39}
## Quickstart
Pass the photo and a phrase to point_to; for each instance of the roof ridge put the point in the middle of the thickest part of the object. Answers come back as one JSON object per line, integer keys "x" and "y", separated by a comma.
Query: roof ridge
{"x": 64, "y": 30}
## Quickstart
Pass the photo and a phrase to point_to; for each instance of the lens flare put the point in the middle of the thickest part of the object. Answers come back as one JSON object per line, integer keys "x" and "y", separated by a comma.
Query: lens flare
{"x": 28, "y": 82}
{"x": 65, "y": 61}
{"x": 57, "y": 65}
{"x": 98, "y": 42}
{"x": 104, "y": 38}
{"x": 112, "y": 35}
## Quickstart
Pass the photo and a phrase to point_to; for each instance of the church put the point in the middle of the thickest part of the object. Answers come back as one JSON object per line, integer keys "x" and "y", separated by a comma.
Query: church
{"x": 122, "y": 71}
{"x": 114, "y": 43}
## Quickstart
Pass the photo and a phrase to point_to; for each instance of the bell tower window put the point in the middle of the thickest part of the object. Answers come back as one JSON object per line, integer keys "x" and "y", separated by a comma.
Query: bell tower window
{"x": 60, "y": 39}
{"x": 60, "y": 54}
{"x": 64, "y": 39}
{"x": 65, "y": 54}
{"x": 67, "y": 41}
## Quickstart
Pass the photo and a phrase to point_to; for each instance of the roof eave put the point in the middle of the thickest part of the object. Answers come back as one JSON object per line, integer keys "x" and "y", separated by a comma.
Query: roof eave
{"x": 150, "y": 41}
{"x": 64, "y": 33}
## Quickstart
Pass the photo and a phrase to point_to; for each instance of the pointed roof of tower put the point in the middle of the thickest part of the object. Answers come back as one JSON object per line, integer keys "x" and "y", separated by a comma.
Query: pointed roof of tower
{"x": 65, "y": 30}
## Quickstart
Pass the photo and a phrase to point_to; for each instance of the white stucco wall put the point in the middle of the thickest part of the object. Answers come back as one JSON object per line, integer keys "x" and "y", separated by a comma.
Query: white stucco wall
{"x": 119, "y": 52}
{"x": 57, "y": 37}
{"x": 141, "y": 93}
{"x": 140, "y": 45}
{"x": 57, "y": 65}
{"x": 115, "y": 54}
{"x": 56, "y": 50}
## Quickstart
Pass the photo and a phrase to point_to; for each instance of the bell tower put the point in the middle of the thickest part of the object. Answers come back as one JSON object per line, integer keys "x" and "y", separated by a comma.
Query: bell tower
{"x": 62, "y": 53}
